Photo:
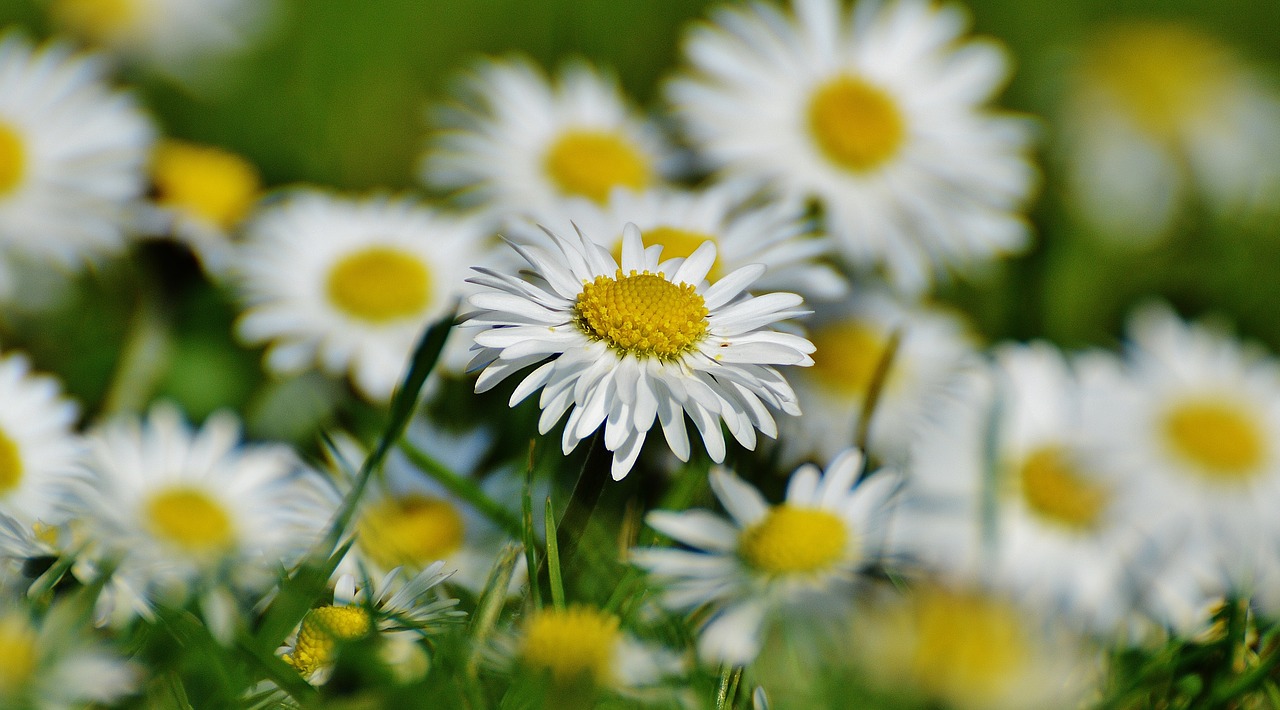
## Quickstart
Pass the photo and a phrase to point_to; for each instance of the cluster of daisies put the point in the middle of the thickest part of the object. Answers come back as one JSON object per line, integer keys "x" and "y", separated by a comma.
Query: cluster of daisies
{"x": 962, "y": 527}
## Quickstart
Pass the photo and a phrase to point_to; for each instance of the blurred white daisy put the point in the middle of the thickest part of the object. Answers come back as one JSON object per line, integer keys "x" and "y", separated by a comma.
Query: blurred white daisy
{"x": 516, "y": 142}
{"x": 350, "y": 284}
{"x": 183, "y": 38}
{"x": 745, "y": 230}
{"x": 626, "y": 343}
{"x": 769, "y": 560}
{"x": 1161, "y": 117}
{"x": 179, "y": 508}
{"x": 878, "y": 114}
{"x": 51, "y": 665}
{"x": 39, "y": 450}
{"x": 73, "y": 154}
{"x": 852, "y": 337}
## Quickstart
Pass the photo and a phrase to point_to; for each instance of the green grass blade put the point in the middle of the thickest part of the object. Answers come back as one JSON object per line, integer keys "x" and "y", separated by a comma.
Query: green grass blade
{"x": 464, "y": 488}
{"x": 553, "y": 558}
{"x": 530, "y": 538}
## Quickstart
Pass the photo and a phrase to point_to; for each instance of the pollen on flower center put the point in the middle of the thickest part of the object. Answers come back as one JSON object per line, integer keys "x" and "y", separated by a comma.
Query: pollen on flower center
{"x": 591, "y": 163}
{"x": 791, "y": 539}
{"x": 676, "y": 242}
{"x": 11, "y": 469}
{"x": 13, "y": 159}
{"x": 642, "y": 314}
{"x": 17, "y": 654}
{"x": 98, "y": 20}
{"x": 577, "y": 643}
{"x": 1054, "y": 488}
{"x": 412, "y": 531}
{"x": 857, "y": 125}
{"x": 1218, "y": 437}
{"x": 189, "y": 518}
{"x": 967, "y": 647}
{"x": 321, "y": 630}
{"x": 380, "y": 284}
{"x": 847, "y": 355}
{"x": 211, "y": 184}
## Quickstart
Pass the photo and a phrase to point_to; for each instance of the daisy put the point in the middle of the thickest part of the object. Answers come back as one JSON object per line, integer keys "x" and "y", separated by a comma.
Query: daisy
{"x": 768, "y": 560}
{"x": 878, "y": 114}
{"x": 39, "y": 449}
{"x": 72, "y": 155}
{"x": 622, "y": 344}
{"x": 49, "y": 664}
{"x": 517, "y": 142}
{"x": 1162, "y": 116}
{"x": 852, "y": 337}
{"x": 744, "y": 230}
{"x": 178, "y": 508}
{"x": 350, "y": 283}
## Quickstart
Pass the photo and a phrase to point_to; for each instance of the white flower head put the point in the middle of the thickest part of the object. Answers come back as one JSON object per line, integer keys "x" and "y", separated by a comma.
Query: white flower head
{"x": 766, "y": 559}
{"x": 73, "y": 154}
{"x": 350, "y": 284}
{"x": 627, "y": 343}
{"x": 878, "y": 113}
{"x": 518, "y": 142}
{"x": 39, "y": 450}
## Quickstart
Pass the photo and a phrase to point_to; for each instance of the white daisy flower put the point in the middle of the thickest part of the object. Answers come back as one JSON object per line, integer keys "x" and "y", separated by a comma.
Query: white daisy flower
{"x": 178, "y": 508}
{"x": 72, "y": 155}
{"x": 1163, "y": 116}
{"x": 39, "y": 449}
{"x": 879, "y": 115}
{"x": 350, "y": 283}
{"x": 183, "y": 38}
{"x": 50, "y": 665}
{"x": 744, "y": 230}
{"x": 517, "y": 142}
{"x": 1194, "y": 421}
{"x": 769, "y": 560}
{"x": 852, "y": 337}
{"x": 622, "y": 344}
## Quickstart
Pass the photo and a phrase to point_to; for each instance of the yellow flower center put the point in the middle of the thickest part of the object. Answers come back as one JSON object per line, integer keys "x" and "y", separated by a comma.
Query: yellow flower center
{"x": 96, "y": 20}
{"x": 412, "y": 531}
{"x": 847, "y": 355}
{"x": 968, "y": 649}
{"x": 591, "y": 163}
{"x": 189, "y": 518}
{"x": 13, "y": 158}
{"x": 1055, "y": 489}
{"x": 1161, "y": 73}
{"x": 380, "y": 284}
{"x": 793, "y": 540}
{"x": 642, "y": 314}
{"x": 676, "y": 242}
{"x": 1220, "y": 438}
{"x": 321, "y": 630}
{"x": 211, "y": 184}
{"x": 17, "y": 654}
{"x": 572, "y": 644}
{"x": 11, "y": 468}
{"x": 857, "y": 125}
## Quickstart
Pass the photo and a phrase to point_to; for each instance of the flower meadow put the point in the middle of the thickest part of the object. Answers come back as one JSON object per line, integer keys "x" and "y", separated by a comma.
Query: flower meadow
{"x": 886, "y": 354}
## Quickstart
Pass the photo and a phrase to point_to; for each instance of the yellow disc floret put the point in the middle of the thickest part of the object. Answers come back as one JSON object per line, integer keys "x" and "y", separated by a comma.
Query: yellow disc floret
{"x": 17, "y": 654}
{"x": 574, "y": 644}
{"x": 189, "y": 518}
{"x": 857, "y": 126}
{"x": 380, "y": 284}
{"x": 321, "y": 630}
{"x": 642, "y": 314}
{"x": 591, "y": 163}
{"x": 210, "y": 184}
{"x": 411, "y": 531}
{"x": 1220, "y": 438}
{"x": 968, "y": 649}
{"x": 13, "y": 159}
{"x": 11, "y": 468}
{"x": 847, "y": 354}
{"x": 794, "y": 540}
{"x": 103, "y": 21}
{"x": 1058, "y": 491}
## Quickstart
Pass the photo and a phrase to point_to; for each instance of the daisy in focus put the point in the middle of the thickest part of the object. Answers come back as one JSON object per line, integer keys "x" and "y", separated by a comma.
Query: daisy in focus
{"x": 73, "y": 153}
{"x": 516, "y": 142}
{"x": 39, "y": 450}
{"x": 630, "y": 342}
{"x": 878, "y": 114}
{"x": 1163, "y": 116}
{"x": 350, "y": 284}
{"x": 765, "y": 561}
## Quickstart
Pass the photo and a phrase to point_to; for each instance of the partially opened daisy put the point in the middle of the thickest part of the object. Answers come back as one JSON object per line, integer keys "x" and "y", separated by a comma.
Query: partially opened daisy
{"x": 73, "y": 153}
{"x": 766, "y": 561}
{"x": 350, "y": 284}
{"x": 628, "y": 344}
{"x": 878, "y": 114}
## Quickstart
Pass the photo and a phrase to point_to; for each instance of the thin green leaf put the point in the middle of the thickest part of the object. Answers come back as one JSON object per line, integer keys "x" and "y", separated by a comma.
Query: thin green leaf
{"x": 869, "y": 405}
{"x": 553, "y": 558}
{"x": 464, "y": 488}
{"x": 527, "y": 532}
{"x": 490, "y": 604}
